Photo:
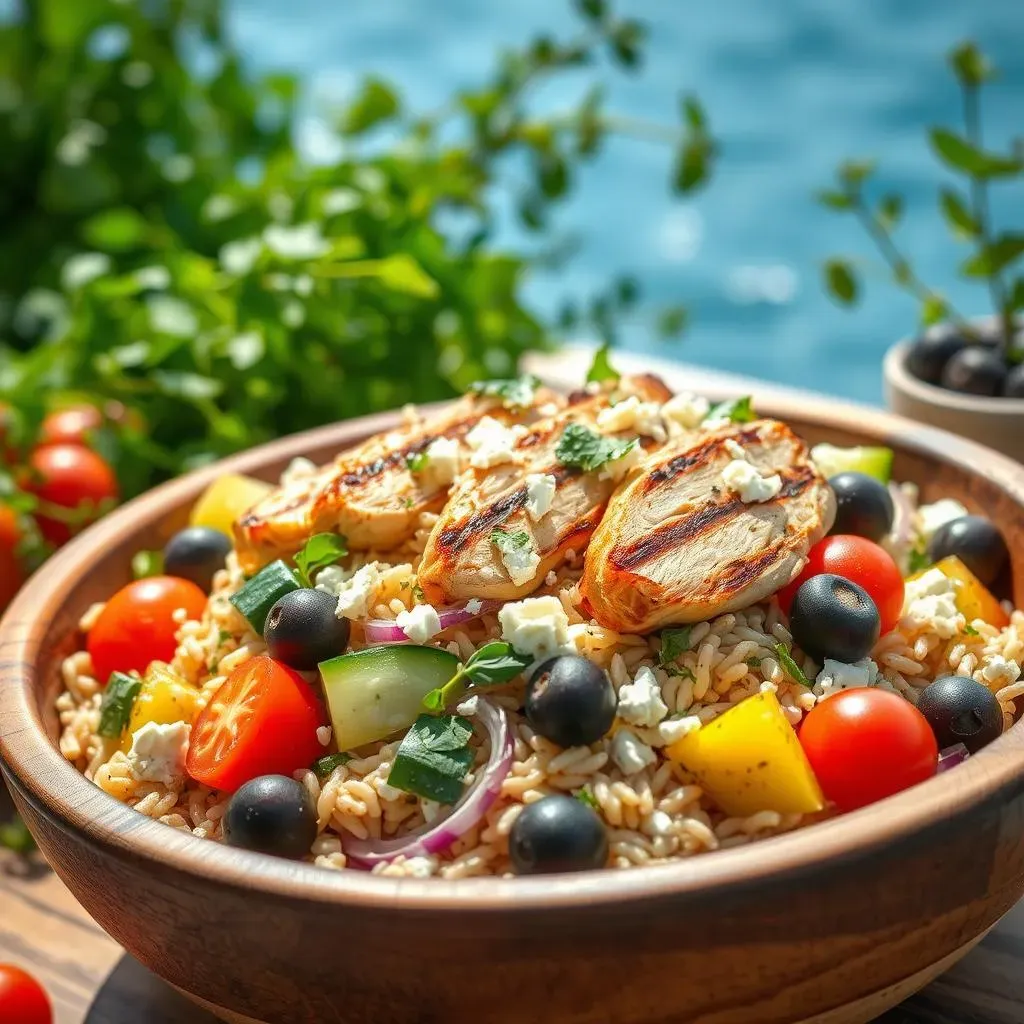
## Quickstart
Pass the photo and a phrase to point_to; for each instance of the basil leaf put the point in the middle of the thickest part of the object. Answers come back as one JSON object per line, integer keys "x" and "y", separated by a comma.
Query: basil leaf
{"x": 496, "y": 662}
{"x": 116, "y": 705}
{"x": 418, "y": 462}
{"x": 736, "y": 410}
{"x": 601, "y": 368}
{"x": 324, "y": 766}
{"x": 321, "y": 550}
{"x": 790, "y": 666}
{"x": 508, "y": 542}
{"x": 147, "y": 563}
{"x": 433, "y": 758}
{"x": 587, "y": 450}
{"x": 516, "y": 393}
{"x": 674, "y": 642}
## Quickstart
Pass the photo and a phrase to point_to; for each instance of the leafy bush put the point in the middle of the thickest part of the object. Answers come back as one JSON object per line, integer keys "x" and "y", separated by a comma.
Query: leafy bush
{"x": 166, "y": 248}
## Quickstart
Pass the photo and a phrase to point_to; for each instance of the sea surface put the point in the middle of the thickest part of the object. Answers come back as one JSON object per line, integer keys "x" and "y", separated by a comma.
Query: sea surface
{"x": 791, "y": 87}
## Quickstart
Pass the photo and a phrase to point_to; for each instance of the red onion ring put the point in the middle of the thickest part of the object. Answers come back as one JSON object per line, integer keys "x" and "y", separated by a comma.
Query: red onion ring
{"x": 475, "y": 803}
{"x": 951, "y": 757}
{"x": 903, "y": 518}
{"x": 387, "y": 631}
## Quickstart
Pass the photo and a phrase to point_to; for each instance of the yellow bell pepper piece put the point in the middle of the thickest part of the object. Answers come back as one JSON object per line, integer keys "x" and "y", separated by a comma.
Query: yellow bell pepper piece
{"x": 226, "y": 499}
{"x": 973, "y": 598}
{"x": 164, "y": 698}
{"x": 749, "y": 759}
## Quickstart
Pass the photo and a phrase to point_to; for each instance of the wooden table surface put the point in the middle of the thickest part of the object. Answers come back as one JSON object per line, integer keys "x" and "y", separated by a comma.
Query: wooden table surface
{"x": 91, "y": 980}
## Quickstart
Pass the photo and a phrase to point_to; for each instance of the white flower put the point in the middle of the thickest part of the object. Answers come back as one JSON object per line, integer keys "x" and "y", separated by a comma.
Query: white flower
{"x": 299, "y": 242}
{"x": 640, "y": 702}
{"x": 169, "y": 315}
{"x": 219, "y": 207}
{"x": 153, "y": 278}
{"x": 79, "y": 270}
{"x": 340, "y": 200}
{"x": 240, "y": 256}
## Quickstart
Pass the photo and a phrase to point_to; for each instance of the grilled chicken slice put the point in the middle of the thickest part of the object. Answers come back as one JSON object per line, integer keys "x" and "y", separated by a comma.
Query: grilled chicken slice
{"x": 678, "y": 544}
{"x": 369, "y": 494}
{"x": 461, "y": 561}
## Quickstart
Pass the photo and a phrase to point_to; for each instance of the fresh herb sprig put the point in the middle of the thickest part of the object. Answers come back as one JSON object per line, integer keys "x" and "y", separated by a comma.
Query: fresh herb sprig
{"x": 736, "y": 410}
{"x": 601, "y": 369}
{"x": 320, "y": 551}
{"x": 585, "y": 449}
{"x": 516, "y": 393}
{"x": 790, "y": 667}
{"x": 494, "y": 663}
{"x": 674, "y": 642}
{"x": 509, "y": 543}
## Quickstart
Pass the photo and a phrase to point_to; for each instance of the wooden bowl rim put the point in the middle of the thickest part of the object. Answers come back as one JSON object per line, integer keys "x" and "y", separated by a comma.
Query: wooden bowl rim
{"x": 73, "y": 803}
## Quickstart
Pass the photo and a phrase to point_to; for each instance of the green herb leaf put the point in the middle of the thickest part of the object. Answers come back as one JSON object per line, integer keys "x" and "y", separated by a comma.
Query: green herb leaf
{"x": 970, "y": 65}
{"x": 586, "y": 796}
{"x": 961, "y": 155}
{"x": 433, "y": 758}
{"x": 736, "y": 410}
{"x": 840, "y": 281}
{"x": 918, "y": 560}
{"x": 587, "y": 450}
{"x": 674, "y": 642}
{"x": 516, "y": 393}
{"x": 320, "y": 551}
{"x": 854, "y": 173}
{"x": 693, "y": 164}
{"x": 693, "y": 112}
{"x": 508, "y": 543}
{"x": 495, "y": 662}
{"x": 933, "y": 310}
{"x": 116, "y": 705}
{"x": 324, "y": 766}
{"x": 890, "y": 209}
{"x": 961, "y": 221}
{"x": 418, "y": 462}
{"x": 969, "y": 630}
{"x": 835, "y": 200}
{"x": 147, "y": 563}
{"x": 601, "y": 368}
{"x": 376, "y": 102}
{"x": 995, "y": 256}
{"x": 672, "y": 321}
{"x": 790, "y": 667}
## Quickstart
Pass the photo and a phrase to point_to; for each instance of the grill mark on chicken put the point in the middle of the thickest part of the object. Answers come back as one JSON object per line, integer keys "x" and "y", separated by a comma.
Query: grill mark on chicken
{"x": 743, "y": 571}
{"x": 695, "y": 458}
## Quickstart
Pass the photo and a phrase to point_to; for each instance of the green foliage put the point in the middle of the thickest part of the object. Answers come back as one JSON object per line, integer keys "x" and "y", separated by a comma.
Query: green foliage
{"x": 993, "y": 253}
{"x": 166, "y": 249}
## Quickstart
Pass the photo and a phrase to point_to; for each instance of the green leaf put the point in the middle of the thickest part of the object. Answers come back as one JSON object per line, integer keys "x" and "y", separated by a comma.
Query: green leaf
{"x": 146, "y": 564}
{"x": 674, "y": 642}
{"x": 320, "y": 551}
{"x": 117, "y": 230}
{"x": 552, "y": 175}
{"x": 672, "y": 321}
{"x": 996, "y": 256}
{"x": 970, "y": 65}
{"x": 433, "y": 758}
{"x": 593, "y": 9}
{"x": 376, "y": 102}
{"x": 835, "y": 200}
{"x": 515, "y": 393}
{"x": 418, "y": 461}
{"x": 693, "y": 112}
{"x": 627, "y": 38}
{"x": 890, "y": 209}
{"x": 116, "y": 705}
{"x": 969, "y": 630}
{"x": 933, "y": 310}
{"x": 402, "y": 273}
{"x": 496, "y": 662}
{"x": 959, "y": 218}
{"x": 918, "y": 560}
{"x": 692, "y": 165}
{"x": 586, "y": 796}
{"x": 735, "y": 410}
{"x": 790, "y": 667}
{"x": 853, "y": 173}
{"x": 1016, "y": 297}
{"x": 601, "y": 368}
{"x": 583, "y": 448}
{"x": 323, "y": 767}
{"x": 840, "y": 281}
{"x": 961, "y": 155}
{"x": 191, "y": 386}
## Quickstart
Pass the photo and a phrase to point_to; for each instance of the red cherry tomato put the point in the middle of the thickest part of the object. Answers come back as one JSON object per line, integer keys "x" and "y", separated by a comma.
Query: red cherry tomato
{"x": 262, "y": 721}
{"x": 73, "y": 425}
{"x": 137, "y": 624}
{"x": 22, "y": 998}
{"x": 866, "y": 744}
{"x": 11, "y": 573}
{"x": 69, "y": 477}
{"x": 862, "y": 562}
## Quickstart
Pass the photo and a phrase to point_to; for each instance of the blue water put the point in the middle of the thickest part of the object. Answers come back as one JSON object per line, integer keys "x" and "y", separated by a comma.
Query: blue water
{"x": 791, "y": 87}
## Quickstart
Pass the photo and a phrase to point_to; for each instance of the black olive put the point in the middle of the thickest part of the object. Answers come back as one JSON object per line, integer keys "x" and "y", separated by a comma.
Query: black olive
{"x": 196, "y": 554}
{"x": 961, "y": 710}
{"x": 976, "y": 542}
{"x": 303, "y": 629}
{"x": 833, "y": 618}
{"x": 863, "y": 506}
{"x": 570, "y": 701}
{"x": 928, "y": 355}
{"x": 557, "y": 833}
{"x": 975, "y": 370}
{"x": 1013, "y": 386}
{"x": 271, "y": 814}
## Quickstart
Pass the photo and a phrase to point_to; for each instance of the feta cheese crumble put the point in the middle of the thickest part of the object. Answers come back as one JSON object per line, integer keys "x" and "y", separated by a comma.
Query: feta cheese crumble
{"x": 420, "y": 623}
{"x": 632, "y": 414}
{"x": 938, "y": 513}
{"x": 521, "y": 561}
{"x": 355, "y": 590}
{"x": 640, "y": 701}
{"x": 630, "y": 754}
{"x": 930, "y": 602}
{"x": 838, "y": 675}
{"x": 474, "y": 606}
{"x": 744, "y": 479}
{"x": 298, "y": 469}
{"x": 673, "y": 729}
{"x": 997, "y": 672}
{"x": 616, "y": 469}
{"x": 492, "y": 443}
{"x": 540, "y": 491}
{"x": 442, "y": 462}
{"x": 685, "y": 411}
{"x": 157, "y": 752}
{"x": 537, "y": 626}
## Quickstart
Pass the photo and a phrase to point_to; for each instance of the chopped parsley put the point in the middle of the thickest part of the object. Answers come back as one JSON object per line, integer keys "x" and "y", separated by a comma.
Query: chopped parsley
{"x": 433, "y": 758}
{"x": 585, "y": 796}
{"x": 790, "y": 667}
{"x": 587, "y": 450}
{"x": 417, "y": 592}
{"x": 507, "y": 542}
{"x": 418, "y": 462}
{"x": 320, "y": 551}
{"x": 736, "y": 410}
{"x": 918, "y": 560}
{"x": 116, "y": 706}
{"x": 601, "y": 368}
{"x": 516, "y": 393}
{"x": 407, "y": 503}
{"x": 324, "y": 766}
{"x": 494, "y": 663}
{"x": 969, "y": 630}
{"x": 674, "y": 642}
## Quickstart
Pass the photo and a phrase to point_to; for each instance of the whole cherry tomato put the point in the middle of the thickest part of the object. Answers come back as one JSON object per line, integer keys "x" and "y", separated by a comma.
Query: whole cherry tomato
{"x": 137, "y": 624}
{"x": 73, "y": 425}
{"x": 22, "y": 999}
{"x": 12, "y": 574}
{"x": 860, "y": 561}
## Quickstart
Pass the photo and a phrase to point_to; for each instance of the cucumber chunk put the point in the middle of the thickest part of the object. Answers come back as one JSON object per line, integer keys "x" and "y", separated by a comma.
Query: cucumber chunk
{"x": 830, "y": 460}
{"x": 263, "y": 591}
{"x": 374, "y": 693}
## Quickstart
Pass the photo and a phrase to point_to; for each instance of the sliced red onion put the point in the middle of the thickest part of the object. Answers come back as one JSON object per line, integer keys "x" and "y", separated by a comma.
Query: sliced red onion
{"x": 951, "y": 757}
{"x": 387, "y": 631}
{"x": 436, "y": 837}
{"x": 903, "y": 517}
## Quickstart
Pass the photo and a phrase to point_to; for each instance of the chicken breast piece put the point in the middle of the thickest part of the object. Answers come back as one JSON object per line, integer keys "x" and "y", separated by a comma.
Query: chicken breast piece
{"x": 542, "y": 507}
{"x": 369, "y": 493}
{"x": 680, "y": 544}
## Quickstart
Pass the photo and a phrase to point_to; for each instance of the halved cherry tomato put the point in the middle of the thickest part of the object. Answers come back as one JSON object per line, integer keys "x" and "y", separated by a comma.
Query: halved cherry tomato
{"x": 73, "y": 425}
{"x": 262, "y": 721}
{"x": 71, "y": 477}
{"x": 860, "y": 561}
{"x": 22, "y": 999}
{"x": 137, "y": 625}
{"x": 866, "y": 744}
{"x": 12, "y": 574}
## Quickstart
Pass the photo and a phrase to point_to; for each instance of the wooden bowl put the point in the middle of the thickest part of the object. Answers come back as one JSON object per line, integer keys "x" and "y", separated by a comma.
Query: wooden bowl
{"x": 831, "y": 924}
